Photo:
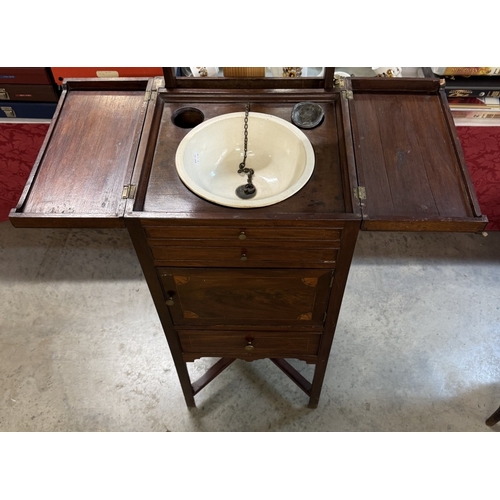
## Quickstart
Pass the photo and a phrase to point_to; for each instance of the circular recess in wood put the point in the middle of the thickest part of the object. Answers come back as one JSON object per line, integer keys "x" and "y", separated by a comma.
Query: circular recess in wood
{"x": 187, "y": 117}
{"x": 307, "y": 114}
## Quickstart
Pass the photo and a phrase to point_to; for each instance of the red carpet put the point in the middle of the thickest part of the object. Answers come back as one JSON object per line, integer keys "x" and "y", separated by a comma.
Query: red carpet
{"x": 20, "y": 143}
{"x": 481, "y": 147}
{"x": 19, "y": 147}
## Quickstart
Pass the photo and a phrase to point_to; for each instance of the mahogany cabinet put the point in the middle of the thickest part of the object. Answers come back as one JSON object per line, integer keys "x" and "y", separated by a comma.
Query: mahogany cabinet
{"x": 250, "y": 283}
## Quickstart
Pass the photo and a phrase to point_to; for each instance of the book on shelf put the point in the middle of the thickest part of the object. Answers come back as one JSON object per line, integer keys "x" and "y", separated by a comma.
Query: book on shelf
{"x": 474, "y": 102}
{"x": 474, "y": 86}
{"x": 472, "y": 108}
{"x": 476, "y": 114}
{"x": 467, "y": 86}
{"x": 492, "y": 71}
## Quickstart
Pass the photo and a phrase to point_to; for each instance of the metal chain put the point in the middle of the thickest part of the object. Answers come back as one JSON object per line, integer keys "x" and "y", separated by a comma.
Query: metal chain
{"x": 248, "y": 190}
{"x": 245, "y": 141}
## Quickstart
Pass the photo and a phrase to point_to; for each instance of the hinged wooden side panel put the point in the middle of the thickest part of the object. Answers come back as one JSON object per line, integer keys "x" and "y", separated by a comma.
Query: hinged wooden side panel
{"x": 411, "y": 170}
{"x": 86, "y": 163}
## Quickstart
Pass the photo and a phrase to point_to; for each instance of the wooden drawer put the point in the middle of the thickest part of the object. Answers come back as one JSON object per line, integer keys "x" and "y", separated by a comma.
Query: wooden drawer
{"x": 249, "y": 345}
{"x": 243, "y": 255}
{"x": 244, "y": 246}
{"x": 243, "y": 233}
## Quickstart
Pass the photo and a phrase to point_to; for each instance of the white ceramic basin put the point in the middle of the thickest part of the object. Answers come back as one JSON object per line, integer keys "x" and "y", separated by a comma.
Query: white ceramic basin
{"x": 208, "y": 158}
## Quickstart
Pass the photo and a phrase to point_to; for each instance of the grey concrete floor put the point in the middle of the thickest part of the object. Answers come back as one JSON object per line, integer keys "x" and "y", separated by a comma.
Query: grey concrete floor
{"x": 417, "y": 346}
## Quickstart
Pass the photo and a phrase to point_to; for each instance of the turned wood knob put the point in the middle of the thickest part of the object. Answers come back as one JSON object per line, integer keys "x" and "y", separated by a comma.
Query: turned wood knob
{"x": 243, "y": 256}
{"x": 170, "y": 301}
{"x": 242, "y": 235}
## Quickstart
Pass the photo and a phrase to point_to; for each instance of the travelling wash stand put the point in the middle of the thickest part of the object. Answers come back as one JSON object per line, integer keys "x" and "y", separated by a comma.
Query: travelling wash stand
{"x": 250, "y": 283}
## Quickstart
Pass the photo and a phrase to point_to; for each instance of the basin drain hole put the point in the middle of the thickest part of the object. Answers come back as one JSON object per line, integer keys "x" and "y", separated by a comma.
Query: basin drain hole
{"x": 246, "y": 191}
{"x": 187, "y": 117}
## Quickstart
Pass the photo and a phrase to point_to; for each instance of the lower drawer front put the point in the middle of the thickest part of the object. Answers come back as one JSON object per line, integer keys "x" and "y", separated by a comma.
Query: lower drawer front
{"x": 263, "y": 256}
{"x": 250, "y": 345}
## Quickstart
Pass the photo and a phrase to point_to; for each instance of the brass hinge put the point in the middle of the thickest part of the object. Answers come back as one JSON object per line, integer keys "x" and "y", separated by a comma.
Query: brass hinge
{"x": 150, "y": 95}
{"x": 347, "y": 94}
{"x": 4, "y": 95}
{"x": 128, "y": 191}
{"x": 360, "y": 193}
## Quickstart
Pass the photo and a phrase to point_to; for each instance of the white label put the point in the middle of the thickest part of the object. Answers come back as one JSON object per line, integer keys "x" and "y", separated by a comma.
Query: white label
{"x": 107, "y": 74}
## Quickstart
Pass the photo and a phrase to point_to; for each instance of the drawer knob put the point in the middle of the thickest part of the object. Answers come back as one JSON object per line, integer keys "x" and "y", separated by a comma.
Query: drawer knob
{"x": 242, "y": 235}
{"x": 170, "y": 301}
{"x": 243, "y": 256}
{"x": 249, "y": 347}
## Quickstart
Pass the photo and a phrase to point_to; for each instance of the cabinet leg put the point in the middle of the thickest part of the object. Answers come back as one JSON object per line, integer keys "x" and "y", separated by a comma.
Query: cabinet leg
{"x": 313, "y": 404}
{"x": 189, "y": 398}
{"x": 185, "y": 380}
{"x": 190, "y": 403}
{"x": 317, "y": 383}
{"x": 494, "y": 418}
